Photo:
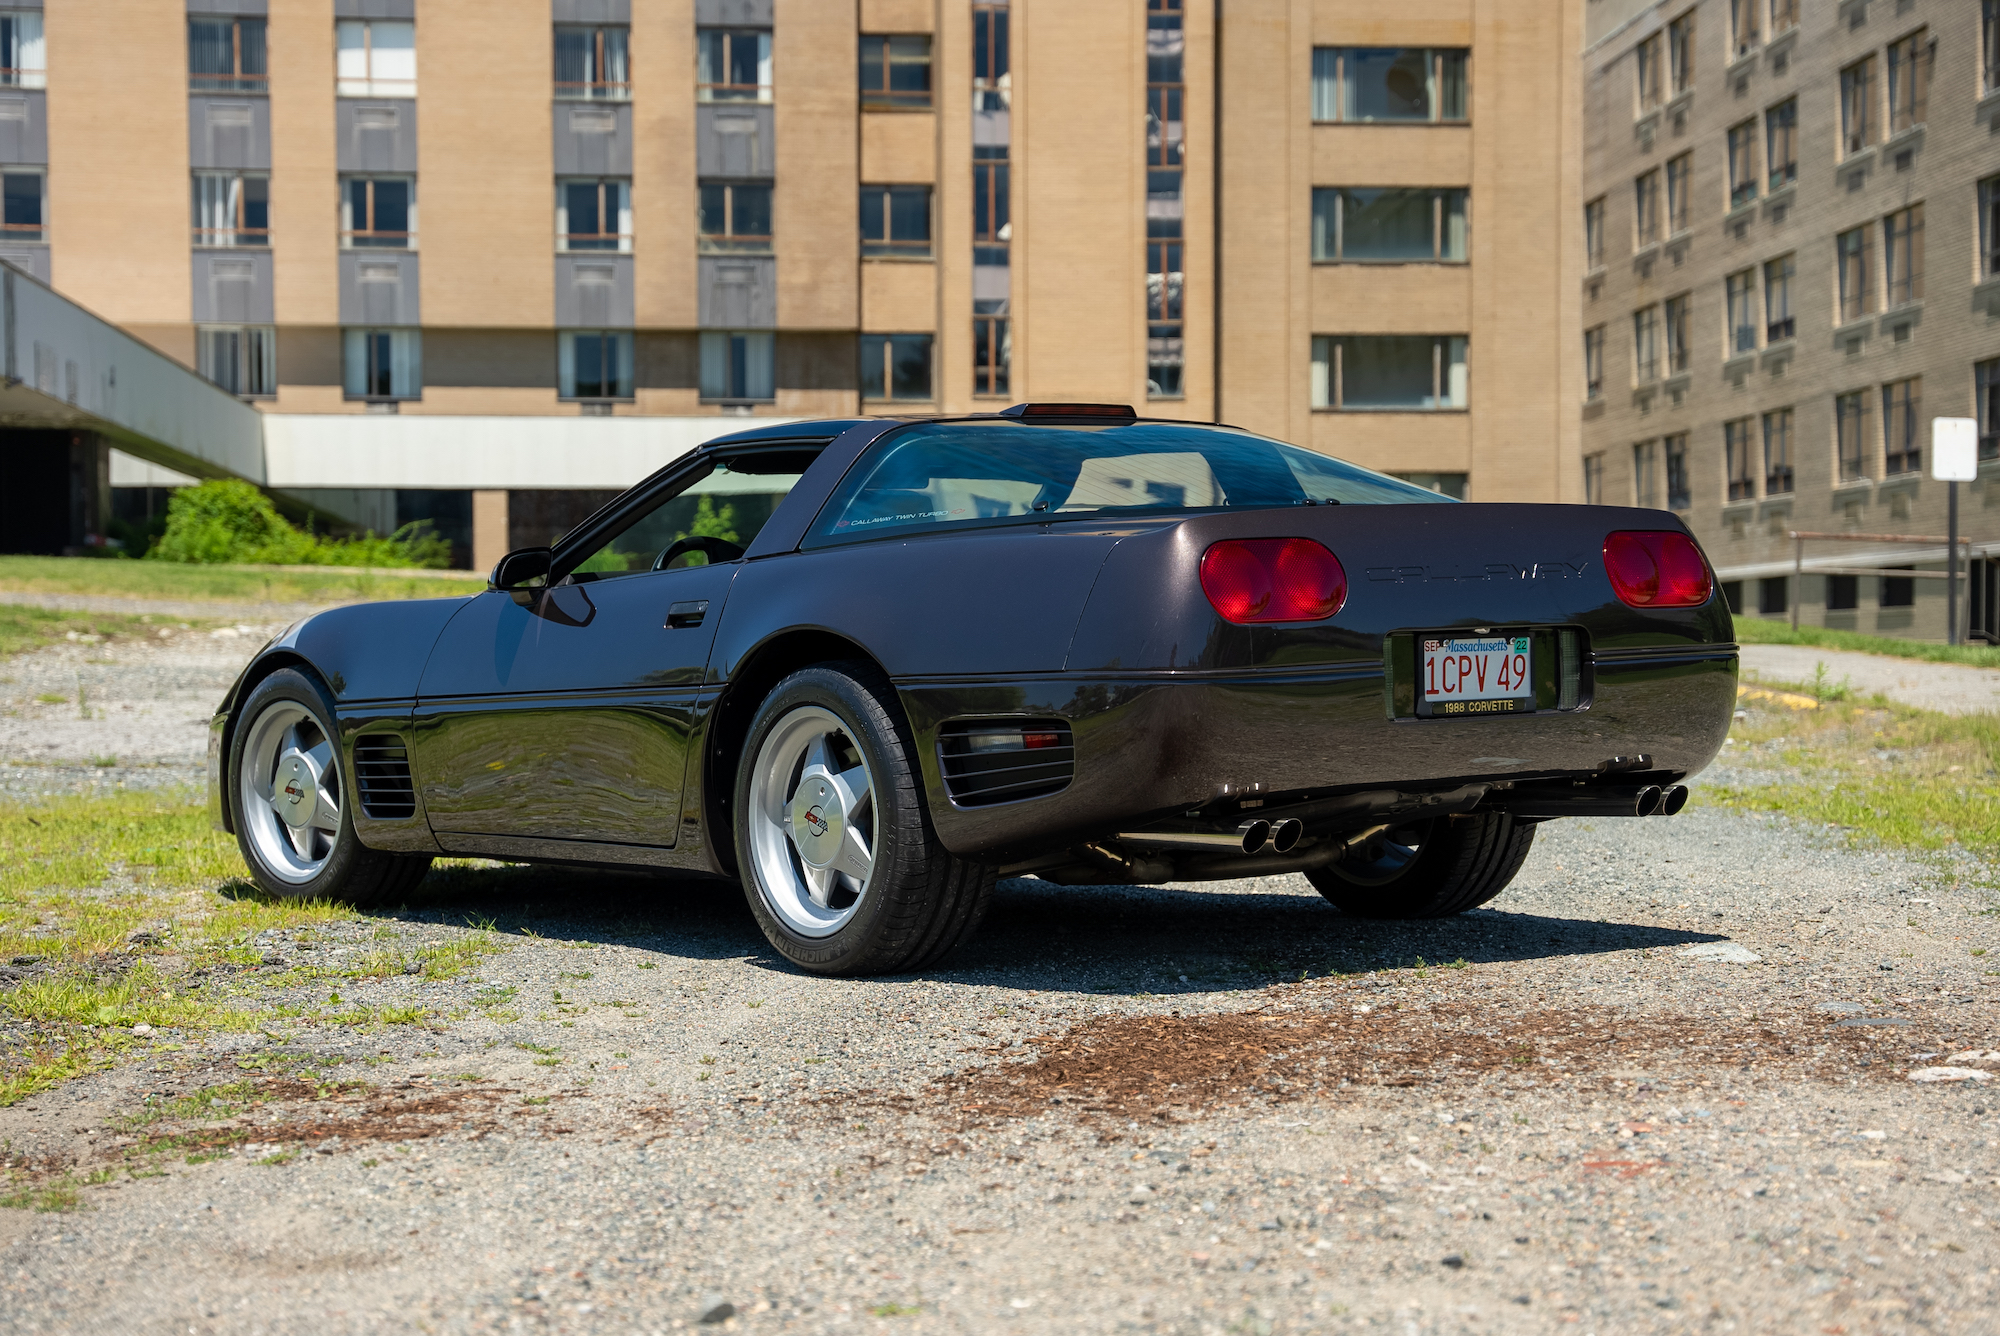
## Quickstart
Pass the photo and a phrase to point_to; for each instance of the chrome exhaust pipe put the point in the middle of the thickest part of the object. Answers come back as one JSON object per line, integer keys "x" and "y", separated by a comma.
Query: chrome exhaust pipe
{"x": 1649, "y": 800}
{"x": 1256, "y": 834}
{"x": 1285, "y": 835}
{"x": 1672, "y": 800}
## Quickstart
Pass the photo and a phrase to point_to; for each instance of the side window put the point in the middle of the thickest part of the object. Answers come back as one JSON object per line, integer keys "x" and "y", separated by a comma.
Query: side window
{"x": 707, "y": 517}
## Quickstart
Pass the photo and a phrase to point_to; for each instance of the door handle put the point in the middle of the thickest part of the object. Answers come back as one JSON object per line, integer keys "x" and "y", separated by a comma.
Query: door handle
{"x": 689, "y": 613}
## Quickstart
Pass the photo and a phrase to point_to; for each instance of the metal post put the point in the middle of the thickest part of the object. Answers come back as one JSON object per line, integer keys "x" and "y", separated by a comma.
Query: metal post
{"x": 1951, "y": 565}
{"x": 1798, "y": 577}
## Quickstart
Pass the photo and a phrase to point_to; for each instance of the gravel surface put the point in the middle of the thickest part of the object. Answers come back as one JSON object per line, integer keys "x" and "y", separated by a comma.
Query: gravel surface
{"x": 1950, "y": 688}
{"x": 1121, "y": 1110}
{"x": 205, "y": 609}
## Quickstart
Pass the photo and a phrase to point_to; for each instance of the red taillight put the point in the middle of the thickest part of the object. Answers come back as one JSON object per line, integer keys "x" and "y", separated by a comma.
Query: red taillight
{"x": 1273, "y": 580}
{"x": 1035, "y": 741}
{"x": 1656, "y": 568}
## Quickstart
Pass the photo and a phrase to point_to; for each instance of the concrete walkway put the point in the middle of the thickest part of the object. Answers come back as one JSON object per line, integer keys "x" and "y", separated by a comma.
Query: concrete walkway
{"x": 1949, "y": 688}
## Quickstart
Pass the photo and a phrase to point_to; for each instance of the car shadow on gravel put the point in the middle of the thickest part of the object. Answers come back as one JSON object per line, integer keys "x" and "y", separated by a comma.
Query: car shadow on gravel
{"x": 1124, "y": 939}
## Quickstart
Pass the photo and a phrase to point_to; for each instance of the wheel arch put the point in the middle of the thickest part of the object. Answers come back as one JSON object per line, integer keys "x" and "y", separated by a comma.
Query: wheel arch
{"x": 729, "y": 724}
{"x": 253, "y": 676}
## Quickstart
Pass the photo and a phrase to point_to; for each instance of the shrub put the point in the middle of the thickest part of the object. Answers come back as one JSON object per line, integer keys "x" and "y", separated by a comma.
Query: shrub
{"x": 226, "y": 520}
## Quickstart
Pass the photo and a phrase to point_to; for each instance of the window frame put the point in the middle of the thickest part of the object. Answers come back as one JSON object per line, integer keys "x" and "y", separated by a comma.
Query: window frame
{"x": 370, "y": 238}
{"x": 1911, "y": 62}
{"x": 16, "y": 232}
{"x": 1593, "y": 232}
{"x": 1680, "y": 185}
{"x": 1593, "y": 363}
{"x": 1329, "y": 373}
{"x": 1646, "y": 208}
{"x": 237, "y": 79}
{"x": 1784, "y": 16}
{"x": 883, "y": 348}
{"x": 1648, "y": 78}
{"x": 725, "y": 339}
{"x": 1740, "y": 473}
{"x": 1780, "y": 439}
{"x": 1645, "y": 474}
{"x": 759, "y": 92}
{"x": 1778, "y": 297}
{"x": 1854, "y": 269}
{"x": 412, "y": 361}
{"x": 1853, "y": 459}
{"x": 256, "y": 350}
{"x": 1986, "y": 404}
{"x": 1593, "y": 478}
{"x": 886, "y": 98}
{"x": 1674, "y": 455}
{"x": 567, "y": 237}
{"x": 1745, "y": 35}
{"x": 1646, "y": 344}
{"x": 888, "y": 246}
{"x": 1781, "y": 130}
{"x": 1989, "y": 45}
{"x": 1329, "y": 72}
{"x": 1675, "y": 314}
{"x": 592, "y": 90}
{"x": 369, "y": 85}
{"x": 1989, "y": 225}
{"x": 204, "y": 238}
{"x": 1681, "y": 52}
{"x": 1857, "y": 120}
{"x": 1739, "y": 312}
{"x": 24, "y": 75}
{"x": 992, "y": 352}
{"x": 1902, "y": 428}
{"x": 1441, "y": 200}
{"x": 566, "y": 358}
{"x": 1903, "y": 236}
{"x": 1743, "y": 182}
{"x": 729, "y": 241}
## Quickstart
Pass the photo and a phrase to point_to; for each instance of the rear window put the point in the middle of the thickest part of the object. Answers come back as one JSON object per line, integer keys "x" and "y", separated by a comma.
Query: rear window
{"x": 945, "y": 474}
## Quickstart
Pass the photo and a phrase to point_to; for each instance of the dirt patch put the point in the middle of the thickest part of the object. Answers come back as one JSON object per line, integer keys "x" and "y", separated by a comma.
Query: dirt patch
{"x": 1168, "y": 1068}
{"x": 354, "y": 1114}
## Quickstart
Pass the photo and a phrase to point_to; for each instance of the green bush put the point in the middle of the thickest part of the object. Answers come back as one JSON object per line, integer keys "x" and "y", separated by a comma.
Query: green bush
{"x": 225, "y": 520}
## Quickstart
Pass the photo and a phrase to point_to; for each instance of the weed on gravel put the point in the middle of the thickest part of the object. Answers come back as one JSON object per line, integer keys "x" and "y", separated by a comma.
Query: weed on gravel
{"x": 24, "y": 628}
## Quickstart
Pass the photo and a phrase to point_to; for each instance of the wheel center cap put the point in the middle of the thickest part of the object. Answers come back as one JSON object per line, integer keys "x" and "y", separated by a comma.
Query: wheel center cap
{"x": 817, "y": 825}
{"x": 298, "y": 795}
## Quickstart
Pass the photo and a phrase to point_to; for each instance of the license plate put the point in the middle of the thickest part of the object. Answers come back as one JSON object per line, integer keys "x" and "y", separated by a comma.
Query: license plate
{"x": 1467, "y": 675}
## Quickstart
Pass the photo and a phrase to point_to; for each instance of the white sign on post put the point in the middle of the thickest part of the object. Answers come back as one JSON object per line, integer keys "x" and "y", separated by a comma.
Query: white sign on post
{"x": 1955, "y": 449}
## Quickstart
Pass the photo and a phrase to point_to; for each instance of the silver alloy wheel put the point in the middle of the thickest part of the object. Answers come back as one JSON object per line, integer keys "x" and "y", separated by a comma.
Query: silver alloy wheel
{"x": 814, "y": 822}
{"x": 288, "y": 794}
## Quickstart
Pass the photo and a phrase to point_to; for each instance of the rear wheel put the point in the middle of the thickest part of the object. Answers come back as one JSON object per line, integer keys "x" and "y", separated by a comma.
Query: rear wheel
{"x": 293, "y": 820}
{"x": 839, "y": 861}
{"x": 1428, "y": 869}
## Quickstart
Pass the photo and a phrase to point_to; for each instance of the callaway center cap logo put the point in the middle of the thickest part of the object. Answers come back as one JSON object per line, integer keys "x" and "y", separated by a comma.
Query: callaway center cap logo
{"x": 814, "y": 821}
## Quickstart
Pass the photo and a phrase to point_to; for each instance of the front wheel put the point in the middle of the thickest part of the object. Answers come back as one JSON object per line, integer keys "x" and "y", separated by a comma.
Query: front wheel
{"x": 839, "y": 861}
{"x": 1428, "y": 869}
{"x": 293, "y": 820}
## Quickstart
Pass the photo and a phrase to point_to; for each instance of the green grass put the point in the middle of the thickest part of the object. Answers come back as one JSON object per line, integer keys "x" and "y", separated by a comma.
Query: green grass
{"x": 23, "y": 629}
{"x": 1757, "y": 631}
{"x": 233, "y": 584}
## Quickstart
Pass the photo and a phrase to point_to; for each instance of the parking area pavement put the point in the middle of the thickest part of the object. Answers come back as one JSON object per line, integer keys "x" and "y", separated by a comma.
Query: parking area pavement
{"x": 1949, "y": 688}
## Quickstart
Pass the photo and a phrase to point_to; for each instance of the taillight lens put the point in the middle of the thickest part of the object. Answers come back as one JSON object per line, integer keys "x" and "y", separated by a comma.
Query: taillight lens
{"x": 1273, "y": 580}
{"x": 1656, "y": 569}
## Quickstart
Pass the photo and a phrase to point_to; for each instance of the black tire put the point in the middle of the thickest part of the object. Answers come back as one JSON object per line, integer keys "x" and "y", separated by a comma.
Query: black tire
{"x": 920, "y": 902}
{"x": 1430, "y": 869}
{"x": 350, "y": 873}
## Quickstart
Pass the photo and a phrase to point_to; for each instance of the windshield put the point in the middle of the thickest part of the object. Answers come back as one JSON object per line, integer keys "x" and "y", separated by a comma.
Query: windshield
{"x": 980, "y": 473}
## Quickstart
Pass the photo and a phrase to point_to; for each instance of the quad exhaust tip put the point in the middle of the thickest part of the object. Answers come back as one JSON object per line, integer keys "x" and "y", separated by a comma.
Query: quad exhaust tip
{"x": 1672, "y": 800}
{"x": 1648, "y": 800}
{"x": 1282, "y": 838}
{"x": 1256, "y": 834}
{"x": 1285, "y": 835}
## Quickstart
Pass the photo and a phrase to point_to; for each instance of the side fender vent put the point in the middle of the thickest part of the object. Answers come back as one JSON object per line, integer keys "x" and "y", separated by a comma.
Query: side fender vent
{"x": 987, "y": 761}
{"x": 382, "y": 774}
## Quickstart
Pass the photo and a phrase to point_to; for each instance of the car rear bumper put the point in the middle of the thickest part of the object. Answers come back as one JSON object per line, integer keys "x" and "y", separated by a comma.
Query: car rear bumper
{"x": 1162, "y": 744}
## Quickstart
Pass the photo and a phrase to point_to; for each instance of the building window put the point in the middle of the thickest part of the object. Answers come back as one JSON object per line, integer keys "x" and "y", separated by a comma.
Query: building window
{"x": 1903, "y": 255}
{"x": 1850, "y": 435}
{"x": 1389, "y": 372}
{"x": 1593, "y": 362}
{"x": 1680, "y": 51}
{"x": 1740, "y": 290}
{"x": 1779, "y": 323}
{"x": 896, "y": 366}
{"x": 990, "y": 50}
{"x": 23, "y": 56}
{"x": 1166, "y": 351}
{"x": 895, "y": 220}
{"x": 1854, "y": 257}
{"x": 1989, "y": 224}
{"x": 1452, "y": 485}
{"x": 732, "y": 65}
{"x": 1910, "y": 80}
{"x": 231, "y": 209}
{"x": 895, "y": 72}
{"x": 1593, "y": 479}
{"x": 1645, "y": 483}
{"x": 1843, "y": 593}
{"x": 1771, "y": 595}
{"x": 242, "y": 359}
{"x": 1646, "y": 209}
{"x": 1737, "y": 460}
{"x": 595, "y": 364}
{"x": 1897, "y": 591}
{"x": 1166, "y": 151}
{"x": 1680, "y": 496}
{"x": 734, "y": 216}
{"x": 1989, "y": 44}
{"x": 1986, "y": 391}
{"x": 1680, "y": 173}
{"x": 596, "y": 214}
{"x": 378, "y": 212}
{"x": 1784, "y": 16}
{"x": 1371, "y": 84}
{"x": 227, "y": 56}
{"x": 383, "y": 363}
{"x": 21, "y": 205}
{"x": 1781, "y": 143}
{"x": 1647, "y": 72}
{"x": 1389, "y": 225}
{"x": 990, "y": 199}
{"x": 1675, "y": 328}
{"x": 1778, "y": 452}
{"x": 1742, "y": 164}
{"x": 1743, "y": 26}
{"x": 1593, "y": 231}
{"x": 738, "y": 366}
{"x": 592, "y": 63}
{"x": 992, "y": 350}
{"x": 1902, "y": 445}
{"x": 1646, "y": 344}
{"x": 1857, "y": 83}
{"x": 375, "y": 58}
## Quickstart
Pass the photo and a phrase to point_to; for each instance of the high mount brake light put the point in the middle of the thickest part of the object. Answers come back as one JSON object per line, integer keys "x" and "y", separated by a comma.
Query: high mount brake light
{"x": 1657, "y": 568}
{"x": 1273, "y": 580}
{"x": 1069, "y": 411}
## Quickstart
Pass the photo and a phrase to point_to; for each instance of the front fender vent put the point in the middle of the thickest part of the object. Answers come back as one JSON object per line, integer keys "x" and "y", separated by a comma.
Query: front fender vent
{"x": 382, "y": 774}
{"x": 986, "y": 761}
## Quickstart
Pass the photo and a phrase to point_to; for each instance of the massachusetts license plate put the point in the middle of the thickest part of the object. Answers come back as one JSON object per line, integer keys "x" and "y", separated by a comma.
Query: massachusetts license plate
{"x": 1476, "y": 675}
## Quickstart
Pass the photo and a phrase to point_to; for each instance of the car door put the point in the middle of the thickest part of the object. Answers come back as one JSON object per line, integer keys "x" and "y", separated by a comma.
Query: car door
{"x": 565, "y": 713}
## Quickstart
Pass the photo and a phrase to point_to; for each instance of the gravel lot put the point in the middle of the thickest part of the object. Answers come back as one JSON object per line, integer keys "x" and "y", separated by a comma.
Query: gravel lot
{"x": 1123, "y": 1109}
{"x": 1950, "y": 688}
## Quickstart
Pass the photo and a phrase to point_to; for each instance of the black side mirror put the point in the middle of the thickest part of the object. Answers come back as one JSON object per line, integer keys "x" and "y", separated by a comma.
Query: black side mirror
{"x": 521, "y": 569}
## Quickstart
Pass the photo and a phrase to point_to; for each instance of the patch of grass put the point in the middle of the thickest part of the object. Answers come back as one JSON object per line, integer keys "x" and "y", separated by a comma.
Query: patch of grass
{"x": 59, "y": 1194}
{"x": 23, "y": 629}
{"x": 233, "y": 584}
{"x": 1756, "y": 631}
{"x": 893, "y": 1309}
